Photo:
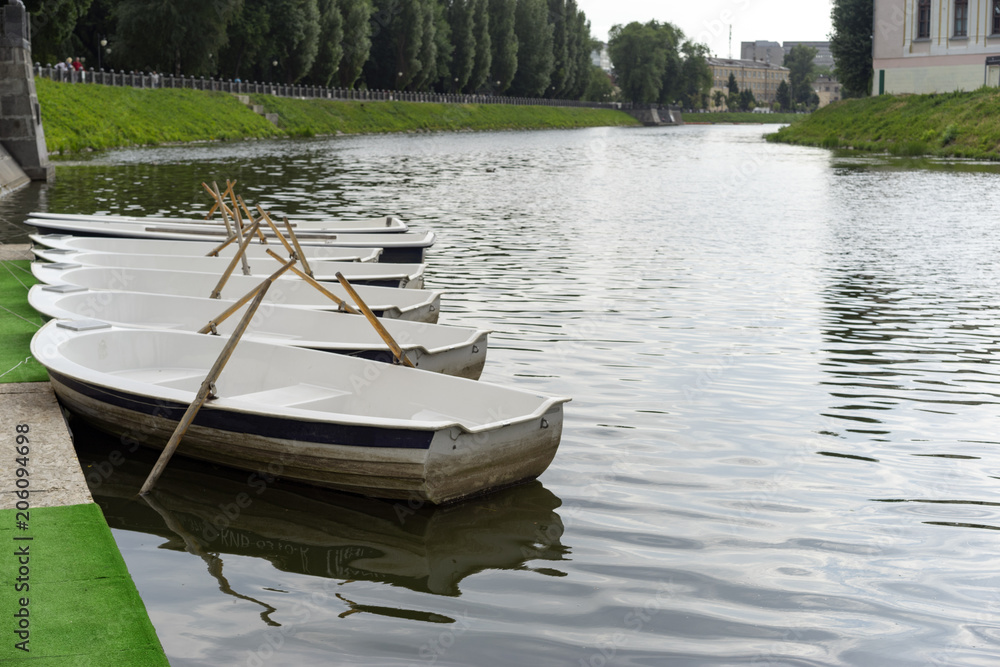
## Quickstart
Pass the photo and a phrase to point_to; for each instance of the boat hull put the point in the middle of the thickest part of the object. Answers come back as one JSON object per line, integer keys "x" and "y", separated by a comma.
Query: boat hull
{"x": 405, "y": 247}
{"x": 439, "y": 466}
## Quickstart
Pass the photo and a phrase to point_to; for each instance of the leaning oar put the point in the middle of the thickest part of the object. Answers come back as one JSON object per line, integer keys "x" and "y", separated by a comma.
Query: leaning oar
{"x": 214, "y": 252}
{"x": 211, "y": 211}
{"x": 386, "y": 336}
{"x": 344, "y": 306}
{"x": 240, "y": 255}
{"x": 214, "y": 192}
{"x": 298, "y": 249}
{"x": 207, "y": 389}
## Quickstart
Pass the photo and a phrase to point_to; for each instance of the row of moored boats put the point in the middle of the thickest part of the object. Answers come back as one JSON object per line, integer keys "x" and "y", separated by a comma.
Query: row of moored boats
{"x": 386, "y": 405}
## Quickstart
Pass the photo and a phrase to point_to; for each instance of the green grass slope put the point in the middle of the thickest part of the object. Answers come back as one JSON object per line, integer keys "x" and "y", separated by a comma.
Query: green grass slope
{"x": 82, "y": 117}
{"x": 740, "y": 117}
{"x": 949, "y": 125}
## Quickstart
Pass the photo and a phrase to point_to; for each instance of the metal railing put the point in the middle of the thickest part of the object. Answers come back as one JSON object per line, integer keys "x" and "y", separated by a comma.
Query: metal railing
{"x": 145, "y": 80}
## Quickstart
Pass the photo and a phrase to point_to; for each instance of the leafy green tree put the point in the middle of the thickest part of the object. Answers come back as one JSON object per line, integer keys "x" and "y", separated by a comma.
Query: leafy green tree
{"x": 52, "y": 25}
{"x": 733, "y": 101}
{"x": 851, "y": 45}
{"x": 463, "y": 57}
{"x": 718, "y": 97}
{"x": 329, "y": 47}
{"x": 560, "y": 49}
{"x": 294, "y": 37}
{"x": 534, "y": 57}
{"x": 600, "y": 88}
{"x": 179, "y": 36}
{"x": 483, "y": 56}
{"x": 503, "y": 44}
{"x": 802, "y": 72}
{"x": 696, "y": 75}
{"x": 357, "y": 43}
{"x": 747, "y": 101}
{"x": 648, "y": 61}
{"x": 243, "y": 55}
{"x": 397, "y": 37}
{"x": 581, "y": 46}
{"x": 783, "y": 96}
{"x": 639, "y": 60}
{"x": 438, "y": 49}
{"x": 732, "y": 85}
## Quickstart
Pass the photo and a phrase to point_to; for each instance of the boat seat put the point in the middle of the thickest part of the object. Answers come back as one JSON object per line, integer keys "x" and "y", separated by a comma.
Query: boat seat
{"x": 291, "y": 395}
{"x": 173, "y": 378}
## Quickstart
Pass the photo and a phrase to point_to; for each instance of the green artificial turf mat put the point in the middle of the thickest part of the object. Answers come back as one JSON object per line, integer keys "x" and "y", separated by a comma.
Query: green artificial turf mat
{"x": 18, "y": 323}
{"x": 83, "y": 607}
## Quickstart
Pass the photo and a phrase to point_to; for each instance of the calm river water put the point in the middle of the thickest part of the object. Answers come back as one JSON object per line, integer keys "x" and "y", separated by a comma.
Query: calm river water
{"x": 783, "y": 446}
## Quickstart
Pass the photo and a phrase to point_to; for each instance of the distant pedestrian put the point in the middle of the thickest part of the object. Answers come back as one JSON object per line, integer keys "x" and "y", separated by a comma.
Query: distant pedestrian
{"x": 77, "y": 65}
{"x": 63, "y": 65}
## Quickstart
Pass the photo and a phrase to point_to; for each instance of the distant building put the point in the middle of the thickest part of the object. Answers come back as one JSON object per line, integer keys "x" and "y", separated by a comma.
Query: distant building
{"x": 928, "y": 46}
{"x": 828, "y": 89}
{"x": 774, "y": 53}
{"x": 762, "y": 51}
{"x": 600, "y": 57}
{"x": 760, "y": 77}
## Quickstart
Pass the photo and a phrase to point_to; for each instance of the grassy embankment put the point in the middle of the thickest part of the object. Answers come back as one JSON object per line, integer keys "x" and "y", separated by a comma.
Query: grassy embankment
{"x": 81, "y": 117}
{"x": 947, "y": 125}
{"x": 740, "y": 117}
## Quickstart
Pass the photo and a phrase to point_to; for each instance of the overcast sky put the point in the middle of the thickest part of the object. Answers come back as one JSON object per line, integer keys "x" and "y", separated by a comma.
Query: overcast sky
{"x": 708, "y": 20}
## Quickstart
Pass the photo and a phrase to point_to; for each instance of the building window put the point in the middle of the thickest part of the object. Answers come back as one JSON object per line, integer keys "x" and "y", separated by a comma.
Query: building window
{"x": 996, "y": 17}
{"x": 961, "y": 18}
{"x": 924, "y": 18}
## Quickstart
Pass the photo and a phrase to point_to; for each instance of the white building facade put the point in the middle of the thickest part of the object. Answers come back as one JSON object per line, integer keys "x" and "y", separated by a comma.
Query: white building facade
{"x": 928, "y": 46}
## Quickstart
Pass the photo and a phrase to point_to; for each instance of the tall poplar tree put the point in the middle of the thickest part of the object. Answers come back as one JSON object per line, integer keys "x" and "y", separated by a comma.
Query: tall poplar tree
{"x": 397, "y": 38}
{"x": 330, "y": 37}
{"x": 851, "y": 45}
{"x": 483, "y": 58}
{"x": 463, "y": 57}
{"x": 177, "y": 36}
{"x": 534, "y": 43}
{"x": 503, "y": 44}
{"x": 357, "y": 42}
{"x": 560, "y": 50}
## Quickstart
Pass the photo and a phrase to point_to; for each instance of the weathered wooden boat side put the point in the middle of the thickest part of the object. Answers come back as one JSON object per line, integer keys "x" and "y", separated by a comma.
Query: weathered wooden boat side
{"x": 66, "y": 243}
{"x": 458, "y": 351}
{"x": 329, "y": 420}
{"x": 409, "y": 276}
{"x": 407, "y": 304}
{"x": 405, "y": 247}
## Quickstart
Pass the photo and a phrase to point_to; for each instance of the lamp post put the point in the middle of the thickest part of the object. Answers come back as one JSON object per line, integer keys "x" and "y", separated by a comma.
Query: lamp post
{"x": 100, "y": 48}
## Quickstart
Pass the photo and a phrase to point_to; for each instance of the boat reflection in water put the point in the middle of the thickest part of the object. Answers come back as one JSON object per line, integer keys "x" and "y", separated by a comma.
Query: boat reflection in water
{"x": 209, "y": 511}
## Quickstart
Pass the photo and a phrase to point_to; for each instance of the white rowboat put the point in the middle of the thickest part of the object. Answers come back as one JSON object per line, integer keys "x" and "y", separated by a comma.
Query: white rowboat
{"x": 457, "y": 351}
{"x": 402, "y": 247}
{"x": 405, "y": 304}
{"x": 324, "y": 419}
{"x": 368, "y": 273}
{"x": 64, "y": 243}
{"x": 386, "y": 224}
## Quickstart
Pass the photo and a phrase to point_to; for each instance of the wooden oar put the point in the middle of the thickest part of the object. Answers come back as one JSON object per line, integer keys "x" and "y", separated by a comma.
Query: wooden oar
{"x": 240, "y": 255}
{"x": 298, "y": 249}
{"x": 274, "y": 228}
{"x": 207, "y": 389}
{"x": 386, "y": 336}
{"x": 344, "y": 306}
{"x": 214, "y": 252}
{"x": 215, "y": 204}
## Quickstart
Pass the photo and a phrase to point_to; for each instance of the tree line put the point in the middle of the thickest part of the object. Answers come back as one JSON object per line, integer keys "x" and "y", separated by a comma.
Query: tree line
{"x": 531, "y": 48}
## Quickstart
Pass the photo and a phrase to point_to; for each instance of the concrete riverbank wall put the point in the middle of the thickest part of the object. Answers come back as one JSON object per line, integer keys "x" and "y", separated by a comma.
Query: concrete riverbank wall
{"x": 21, "y": 135}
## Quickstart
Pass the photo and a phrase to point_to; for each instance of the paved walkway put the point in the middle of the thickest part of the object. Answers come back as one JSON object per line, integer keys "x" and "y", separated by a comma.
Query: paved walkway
{"x": 66, "y": 596}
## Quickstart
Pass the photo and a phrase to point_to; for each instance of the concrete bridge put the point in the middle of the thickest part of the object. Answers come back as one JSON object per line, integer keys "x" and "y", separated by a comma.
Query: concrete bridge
{"x": 23, "y": 156}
